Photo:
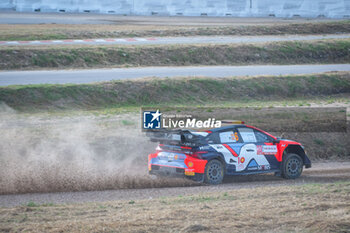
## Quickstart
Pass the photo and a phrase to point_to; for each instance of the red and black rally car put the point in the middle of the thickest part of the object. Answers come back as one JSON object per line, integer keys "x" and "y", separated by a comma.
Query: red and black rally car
{"x": 230, "y": 150}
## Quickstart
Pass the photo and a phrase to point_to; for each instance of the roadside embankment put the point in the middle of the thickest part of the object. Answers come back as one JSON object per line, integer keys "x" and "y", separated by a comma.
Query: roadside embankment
{"x": 279, "y": 53}
{"x": 174, "y": 91}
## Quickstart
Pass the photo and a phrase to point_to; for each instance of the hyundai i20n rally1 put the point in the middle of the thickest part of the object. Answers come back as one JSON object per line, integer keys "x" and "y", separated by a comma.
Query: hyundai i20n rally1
{"x": 230, "y": 150}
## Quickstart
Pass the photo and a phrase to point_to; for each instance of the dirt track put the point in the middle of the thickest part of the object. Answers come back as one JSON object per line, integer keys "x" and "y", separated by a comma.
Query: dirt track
{"x": 329, "y": 172}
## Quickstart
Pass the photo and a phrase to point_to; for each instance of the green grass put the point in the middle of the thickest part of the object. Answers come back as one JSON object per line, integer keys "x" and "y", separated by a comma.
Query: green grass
{"x": 127, "y": 122}
{"x": 27, "y": 37}
{"x": 123, "y": 95}
{"x": 319, "y": 142}
{"x": 32, "y": 204}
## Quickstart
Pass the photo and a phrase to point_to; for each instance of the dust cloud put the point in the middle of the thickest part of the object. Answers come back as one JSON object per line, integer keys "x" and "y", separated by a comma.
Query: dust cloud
{"x": 50, "y": 153}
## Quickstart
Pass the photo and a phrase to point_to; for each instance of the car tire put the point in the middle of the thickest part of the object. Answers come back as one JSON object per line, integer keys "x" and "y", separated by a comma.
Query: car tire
{"x": 199, "y": 178}
{"x": 292, "y": 166}
{"x": 214, "y": 172}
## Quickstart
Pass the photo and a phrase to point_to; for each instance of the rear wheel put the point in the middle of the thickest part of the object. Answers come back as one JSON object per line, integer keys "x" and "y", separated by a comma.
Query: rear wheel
{"x": 292, "y": 166}
{"x": 197, "y": 178}
{"x": 214, "y": 172}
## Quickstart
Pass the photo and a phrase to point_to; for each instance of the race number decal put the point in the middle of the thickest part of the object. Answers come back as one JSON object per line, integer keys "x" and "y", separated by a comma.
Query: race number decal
{"x": 227, "y": 137}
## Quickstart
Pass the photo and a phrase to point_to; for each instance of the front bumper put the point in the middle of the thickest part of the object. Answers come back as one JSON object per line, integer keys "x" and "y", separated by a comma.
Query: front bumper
{"x": 307, "y": 162}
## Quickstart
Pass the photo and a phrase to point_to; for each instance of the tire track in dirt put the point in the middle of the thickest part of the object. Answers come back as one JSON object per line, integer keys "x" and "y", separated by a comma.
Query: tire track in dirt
{"x": 327, "y": 172}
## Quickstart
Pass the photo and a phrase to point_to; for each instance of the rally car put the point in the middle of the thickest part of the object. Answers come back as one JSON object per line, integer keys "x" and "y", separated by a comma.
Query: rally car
{"x": 237, "y": 149}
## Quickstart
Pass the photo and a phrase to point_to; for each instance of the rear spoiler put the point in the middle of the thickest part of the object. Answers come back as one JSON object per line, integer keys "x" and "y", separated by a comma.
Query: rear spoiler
{"x": 176, "y": 137}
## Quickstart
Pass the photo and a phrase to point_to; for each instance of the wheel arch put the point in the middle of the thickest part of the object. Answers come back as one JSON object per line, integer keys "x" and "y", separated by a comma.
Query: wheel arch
{"x": 217, "y": 156}
{"x": 299, "y": 150}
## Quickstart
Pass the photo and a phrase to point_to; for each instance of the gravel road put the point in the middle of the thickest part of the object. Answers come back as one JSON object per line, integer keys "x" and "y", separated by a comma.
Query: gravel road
{"x": 100, "y": 75}
{"x": 320, "y": 173}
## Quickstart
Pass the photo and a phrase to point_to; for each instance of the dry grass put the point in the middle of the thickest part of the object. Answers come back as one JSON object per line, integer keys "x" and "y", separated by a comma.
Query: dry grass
{"x": 292, "y": 52}
{"x": 132, "y": 28}
{"x": 306, "y": 208}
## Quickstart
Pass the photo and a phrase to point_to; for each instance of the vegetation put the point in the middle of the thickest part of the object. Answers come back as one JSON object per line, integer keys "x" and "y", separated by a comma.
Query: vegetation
{"x": 286, "y": 208}
{"x": 59, "y": 31}
{"x": 178, "y": 91}
{"x": 292, "y": 52}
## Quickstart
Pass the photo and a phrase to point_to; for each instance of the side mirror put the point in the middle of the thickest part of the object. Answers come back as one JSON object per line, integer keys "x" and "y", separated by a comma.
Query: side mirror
{"x": 275, "y": 141}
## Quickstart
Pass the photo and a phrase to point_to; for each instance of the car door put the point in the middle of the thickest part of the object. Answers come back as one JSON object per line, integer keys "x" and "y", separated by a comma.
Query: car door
{"x": 228, "y": 144}
{"x": 249, "y": 160}
{"x": 266, "y": 148}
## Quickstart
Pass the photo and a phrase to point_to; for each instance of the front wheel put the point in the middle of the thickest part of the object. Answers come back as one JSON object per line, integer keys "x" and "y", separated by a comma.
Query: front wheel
{"x": 292, "y": 166}
{"x": 214, "y": 172}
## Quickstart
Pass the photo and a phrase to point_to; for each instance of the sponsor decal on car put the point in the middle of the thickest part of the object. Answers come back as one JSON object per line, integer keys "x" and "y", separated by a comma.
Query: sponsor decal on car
{"x": 241, "y": 160}
{"x": 266, "y": 149}
{"x": 264, "y": 167}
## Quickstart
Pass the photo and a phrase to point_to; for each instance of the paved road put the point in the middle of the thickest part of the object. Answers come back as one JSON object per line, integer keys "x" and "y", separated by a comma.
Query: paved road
{"x": 177, "y": 40}
{"x": 329, "y": 172}
{"x": 99, "y": 75}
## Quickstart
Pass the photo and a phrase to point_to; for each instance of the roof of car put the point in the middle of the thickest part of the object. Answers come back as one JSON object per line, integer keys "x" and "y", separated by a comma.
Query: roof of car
{"x": 227, "y": 127}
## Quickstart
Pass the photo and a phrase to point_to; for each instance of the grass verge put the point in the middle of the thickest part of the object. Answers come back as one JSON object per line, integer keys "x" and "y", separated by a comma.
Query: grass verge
{"x": 302, "y": 208}
{"x": 176, "y": 91}
{"x": 52, "y": 32}
{"x": 324, "y": 51}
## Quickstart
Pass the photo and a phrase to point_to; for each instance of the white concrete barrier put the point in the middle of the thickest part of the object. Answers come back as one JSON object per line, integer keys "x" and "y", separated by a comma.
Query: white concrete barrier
{"x": 242, "y": 8}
